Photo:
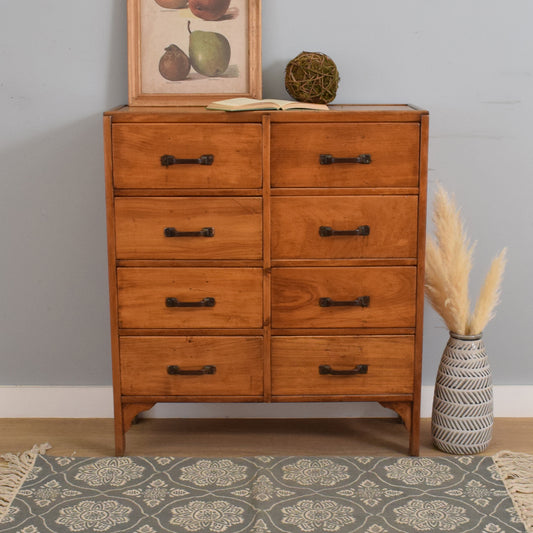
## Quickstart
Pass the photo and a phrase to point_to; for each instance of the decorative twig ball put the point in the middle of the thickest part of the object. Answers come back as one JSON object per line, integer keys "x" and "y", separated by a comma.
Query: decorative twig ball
{"x": 312, "y": 77}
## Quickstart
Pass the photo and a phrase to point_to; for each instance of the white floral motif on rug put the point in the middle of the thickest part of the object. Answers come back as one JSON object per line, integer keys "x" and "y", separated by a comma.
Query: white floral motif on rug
{"x": 259, "y": 495}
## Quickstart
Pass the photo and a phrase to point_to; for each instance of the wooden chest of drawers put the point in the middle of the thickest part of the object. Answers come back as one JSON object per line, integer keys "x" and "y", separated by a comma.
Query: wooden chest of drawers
{"x": 266, "y": 257}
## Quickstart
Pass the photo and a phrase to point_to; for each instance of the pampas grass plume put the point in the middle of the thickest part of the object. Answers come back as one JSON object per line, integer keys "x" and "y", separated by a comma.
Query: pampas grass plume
{"x": 489, "y": 296}
{"x": 448, "y": 266}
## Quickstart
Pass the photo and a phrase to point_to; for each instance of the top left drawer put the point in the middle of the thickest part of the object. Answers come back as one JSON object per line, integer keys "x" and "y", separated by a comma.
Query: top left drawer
{"x": 170, "y": 156}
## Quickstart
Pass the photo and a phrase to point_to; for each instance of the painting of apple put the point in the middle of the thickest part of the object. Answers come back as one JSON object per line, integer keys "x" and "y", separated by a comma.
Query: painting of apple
{"x": 209, "y": 9}
{"x": 172, "y": 4}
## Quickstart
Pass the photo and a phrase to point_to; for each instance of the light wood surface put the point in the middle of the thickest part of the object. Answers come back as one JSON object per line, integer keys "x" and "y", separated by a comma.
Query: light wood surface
{"x": 296, "y": 360}
{"x": 236, "y": 225}
{"x": 341, "y": 112}
{"x": 137, "y": 151}
{"x": 237, "y": 364}
{"x": 112, "y": 272}
{"x": 223, "y": 437}
{"x": 391, "y": 220}
{"x": 143, "y": 293}
{"x": 420, "y": 276}
{"x": 272, "y": 266}
{"x": 393, "y": 149}
{"x": 138, "y": 97}
{"x": 296, "y": 293}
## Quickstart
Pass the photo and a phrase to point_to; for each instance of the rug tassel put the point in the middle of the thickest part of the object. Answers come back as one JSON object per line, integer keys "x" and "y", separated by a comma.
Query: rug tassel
{"x": 516, "y": 470}
{"x": 13, "y": 472}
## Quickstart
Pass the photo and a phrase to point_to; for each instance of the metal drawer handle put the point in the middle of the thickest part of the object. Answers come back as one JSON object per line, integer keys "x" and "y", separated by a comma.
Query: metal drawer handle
{"x": 204, "y": 232}
{"x": 174, "y": 302}
{"x": 328, "y": 159}
{"x": 168, "y": 160}
{"x": 362, "y": 301}
{"x": 175, "y": 370}
{"x": 327, "y": 231}
{"x": 327, "y": 370}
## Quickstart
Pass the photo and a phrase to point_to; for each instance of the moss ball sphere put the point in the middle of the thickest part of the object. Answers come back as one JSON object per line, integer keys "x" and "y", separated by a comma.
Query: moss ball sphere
{"x": 312, "y": 77}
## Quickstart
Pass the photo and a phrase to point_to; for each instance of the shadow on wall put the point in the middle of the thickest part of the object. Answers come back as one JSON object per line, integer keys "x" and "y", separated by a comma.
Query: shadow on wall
{"x": 117, "y": 57}
{"x": 54, "y": 278}
{"x": 54, "y": 318}
{"x": 274, "y": 81}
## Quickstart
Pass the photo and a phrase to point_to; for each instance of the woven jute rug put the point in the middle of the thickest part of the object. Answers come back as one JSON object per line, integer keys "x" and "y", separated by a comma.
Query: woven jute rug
{"x": 41, "y": 494}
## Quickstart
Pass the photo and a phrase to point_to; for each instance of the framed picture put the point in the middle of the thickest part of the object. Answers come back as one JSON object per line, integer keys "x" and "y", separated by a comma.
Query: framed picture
{"x": 191, "y": 52}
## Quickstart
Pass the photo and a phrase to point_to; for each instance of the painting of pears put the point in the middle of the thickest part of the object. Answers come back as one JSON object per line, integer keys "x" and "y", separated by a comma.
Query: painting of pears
{"x": 174, "y": 64}
{"x": 194, "y": 46}
{"x": 209, "y": 52}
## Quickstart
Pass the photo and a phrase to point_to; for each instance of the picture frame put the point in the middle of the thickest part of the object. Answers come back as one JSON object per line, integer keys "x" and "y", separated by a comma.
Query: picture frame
{"x": 192, "y": 55}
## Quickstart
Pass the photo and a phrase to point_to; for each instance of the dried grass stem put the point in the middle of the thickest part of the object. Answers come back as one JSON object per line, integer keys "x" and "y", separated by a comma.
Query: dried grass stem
{"x": 448, "y": 265}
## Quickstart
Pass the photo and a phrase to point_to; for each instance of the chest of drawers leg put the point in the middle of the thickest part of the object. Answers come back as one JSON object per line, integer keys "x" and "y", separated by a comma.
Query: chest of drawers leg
{"x": 266, "y": 257}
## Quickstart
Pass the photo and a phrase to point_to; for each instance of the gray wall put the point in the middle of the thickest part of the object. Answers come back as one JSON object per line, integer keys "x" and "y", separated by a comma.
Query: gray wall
{"x": 63, "y": 62}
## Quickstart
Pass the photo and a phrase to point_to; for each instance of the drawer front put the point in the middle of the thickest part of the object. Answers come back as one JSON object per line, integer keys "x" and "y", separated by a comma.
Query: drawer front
{"x": 307, "y": 227}
{"x": 203, "y": 297}
{"x": 236, "y": 151}
{"x": 297, "y": 295}
{"x": 197, "y": 366}
{"x": 393, "y": 150}
{"x": 331, "y": 365}
{"x": 188, "y": 228}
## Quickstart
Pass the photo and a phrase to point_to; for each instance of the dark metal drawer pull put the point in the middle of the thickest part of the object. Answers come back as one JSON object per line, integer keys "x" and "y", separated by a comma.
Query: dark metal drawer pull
{"x": 168, "y": 160}
{"x": 175, "y": 370}
{"x": 327, "y": 231}
{"x": 326, "y": 369}
{"x": 362, "y": 301}
{"x": 204, "y": 232}
{"x": 174, "y": 302}
{"x": 328, "y": 159}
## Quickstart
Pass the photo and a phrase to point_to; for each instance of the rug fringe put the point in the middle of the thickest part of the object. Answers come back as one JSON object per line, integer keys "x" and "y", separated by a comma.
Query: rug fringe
{"x": 516, "y": 470}
{"x": 13, "y": 473}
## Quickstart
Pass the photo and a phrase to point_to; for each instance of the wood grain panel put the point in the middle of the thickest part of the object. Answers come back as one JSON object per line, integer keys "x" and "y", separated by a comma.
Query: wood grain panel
{"x": 296, "y": 149}
{"x": 238, "y": 363}
{"x": 296, "y": 361}
{"x": 267, "y": 266}
{"x": 296, "y": 293}
{"x": 137, "y": 151}
{"x": 391, "y": 219}
{"x": 142, "y": 293}
{"x": 236, "y": 222}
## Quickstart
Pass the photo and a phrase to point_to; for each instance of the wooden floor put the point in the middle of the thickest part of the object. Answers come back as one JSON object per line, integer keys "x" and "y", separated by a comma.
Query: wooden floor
{"x": 223, "y": 437}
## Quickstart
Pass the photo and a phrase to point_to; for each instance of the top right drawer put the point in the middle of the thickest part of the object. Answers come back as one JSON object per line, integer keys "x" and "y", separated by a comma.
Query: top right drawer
{"x": 345, "y": 155}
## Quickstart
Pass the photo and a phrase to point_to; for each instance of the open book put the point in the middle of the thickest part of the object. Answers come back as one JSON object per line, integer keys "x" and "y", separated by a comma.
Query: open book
{"x": 251, "y": 104}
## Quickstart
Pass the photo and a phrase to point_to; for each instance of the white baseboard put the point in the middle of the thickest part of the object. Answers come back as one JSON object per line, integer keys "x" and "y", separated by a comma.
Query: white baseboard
{"x": 97, "y": 402}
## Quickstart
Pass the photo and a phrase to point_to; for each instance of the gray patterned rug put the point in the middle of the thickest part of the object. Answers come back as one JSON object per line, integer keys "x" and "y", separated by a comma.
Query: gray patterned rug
{"x": 42, "y": 494}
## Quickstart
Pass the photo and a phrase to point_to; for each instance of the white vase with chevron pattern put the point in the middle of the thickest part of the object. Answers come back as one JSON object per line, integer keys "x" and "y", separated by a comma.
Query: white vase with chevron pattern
{"x": 463, "y": 414}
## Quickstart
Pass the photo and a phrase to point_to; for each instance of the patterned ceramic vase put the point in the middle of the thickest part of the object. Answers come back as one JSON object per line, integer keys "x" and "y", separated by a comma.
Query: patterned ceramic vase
{"x": 463, "y": 414}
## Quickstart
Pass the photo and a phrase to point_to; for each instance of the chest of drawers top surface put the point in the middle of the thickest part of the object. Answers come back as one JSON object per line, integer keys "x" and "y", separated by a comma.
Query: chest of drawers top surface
{"x": 347, "y": 112}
